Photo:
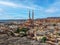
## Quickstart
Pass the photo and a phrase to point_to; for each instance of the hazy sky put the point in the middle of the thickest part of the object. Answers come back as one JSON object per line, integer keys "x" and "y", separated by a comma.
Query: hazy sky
{"x": 18, "y": 9}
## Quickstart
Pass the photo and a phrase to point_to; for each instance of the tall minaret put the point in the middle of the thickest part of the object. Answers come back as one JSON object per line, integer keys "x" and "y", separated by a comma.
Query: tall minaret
{"x": 29, "y": 15}
{"x": 32, "y": 14}
{"x": 32, "y": 18}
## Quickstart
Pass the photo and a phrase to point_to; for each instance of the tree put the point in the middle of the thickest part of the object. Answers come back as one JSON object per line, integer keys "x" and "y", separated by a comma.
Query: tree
{"x": 23, "y": 31}
{"x": 54, "y": 24}
{"x": 58, "y": 34}
{"x": 18, "y": 30}
{"x": 43, "y": 40}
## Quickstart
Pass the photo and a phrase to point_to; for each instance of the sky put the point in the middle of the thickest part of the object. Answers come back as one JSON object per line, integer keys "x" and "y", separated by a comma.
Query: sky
{"x": 19, "y": 9}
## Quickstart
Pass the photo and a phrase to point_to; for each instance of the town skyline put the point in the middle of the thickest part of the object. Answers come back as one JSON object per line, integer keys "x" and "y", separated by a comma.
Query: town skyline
{"x": 19, "y": 9}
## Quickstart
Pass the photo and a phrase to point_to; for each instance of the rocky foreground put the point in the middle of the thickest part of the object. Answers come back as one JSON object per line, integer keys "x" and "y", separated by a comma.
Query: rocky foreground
{"x": 5, "y": 40}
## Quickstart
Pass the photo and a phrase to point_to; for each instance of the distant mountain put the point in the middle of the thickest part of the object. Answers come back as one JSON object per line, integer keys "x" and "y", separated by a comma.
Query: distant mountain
{"x": 54, "y": 17}
{"x": 11, "y": 20}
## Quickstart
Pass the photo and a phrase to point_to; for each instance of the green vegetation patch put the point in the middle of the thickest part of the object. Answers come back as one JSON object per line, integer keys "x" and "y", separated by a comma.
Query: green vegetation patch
{"x": 43, "y": 40}
{"x": 22, "y": 31}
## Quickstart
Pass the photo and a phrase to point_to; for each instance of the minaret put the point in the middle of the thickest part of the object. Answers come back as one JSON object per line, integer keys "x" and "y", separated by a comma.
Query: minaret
{"x": 32, "y": 14}
{"x": 32, "y": 18}
{"x": 29, "y": 15}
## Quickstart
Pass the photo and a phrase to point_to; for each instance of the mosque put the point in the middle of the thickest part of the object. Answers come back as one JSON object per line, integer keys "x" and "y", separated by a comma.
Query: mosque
{"x": 30, "y": 21}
